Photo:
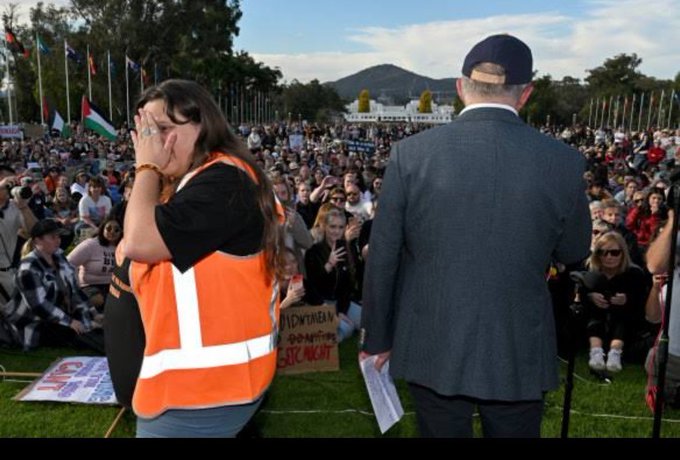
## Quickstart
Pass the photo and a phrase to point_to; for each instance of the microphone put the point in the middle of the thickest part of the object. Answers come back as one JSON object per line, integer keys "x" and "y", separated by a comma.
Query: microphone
{"x": 588, "y": 280}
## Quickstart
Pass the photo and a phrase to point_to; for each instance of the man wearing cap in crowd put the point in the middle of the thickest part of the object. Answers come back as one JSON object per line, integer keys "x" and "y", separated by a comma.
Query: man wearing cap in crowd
{"x": 471, "y": 215}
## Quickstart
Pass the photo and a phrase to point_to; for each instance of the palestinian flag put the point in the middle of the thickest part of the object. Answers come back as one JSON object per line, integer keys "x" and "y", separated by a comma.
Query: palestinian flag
{"x": 57, "y": 124}
{"x": 93, "y": 119}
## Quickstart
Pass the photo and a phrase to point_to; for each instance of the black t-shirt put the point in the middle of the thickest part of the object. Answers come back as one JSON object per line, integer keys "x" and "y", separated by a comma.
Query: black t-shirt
{"x": 194, "y": 223}
{"x": 216, "y": 210}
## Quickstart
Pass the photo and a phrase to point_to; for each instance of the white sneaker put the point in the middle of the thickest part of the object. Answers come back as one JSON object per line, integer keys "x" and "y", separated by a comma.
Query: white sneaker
{"x": 614, "y": 360}
{"x": 596, "y": 361}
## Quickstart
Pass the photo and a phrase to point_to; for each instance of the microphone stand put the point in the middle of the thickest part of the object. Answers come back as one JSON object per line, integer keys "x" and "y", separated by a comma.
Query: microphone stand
{"x": 576, "y": 311}
{"x": 662, "y": 350}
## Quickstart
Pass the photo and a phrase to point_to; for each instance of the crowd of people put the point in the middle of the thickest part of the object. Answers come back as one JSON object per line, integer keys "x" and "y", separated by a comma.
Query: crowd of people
{"x": 63, "y": 206}
{"x": 83, "y": 183}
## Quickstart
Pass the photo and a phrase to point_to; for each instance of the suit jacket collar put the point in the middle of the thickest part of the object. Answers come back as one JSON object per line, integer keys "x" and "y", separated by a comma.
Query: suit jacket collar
{"x": 490, "y": 113}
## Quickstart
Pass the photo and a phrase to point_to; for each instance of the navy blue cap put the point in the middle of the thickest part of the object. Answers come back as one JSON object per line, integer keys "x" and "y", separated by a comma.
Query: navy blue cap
{"x": 47, "y": 226}
{"x": 506, "y": 51}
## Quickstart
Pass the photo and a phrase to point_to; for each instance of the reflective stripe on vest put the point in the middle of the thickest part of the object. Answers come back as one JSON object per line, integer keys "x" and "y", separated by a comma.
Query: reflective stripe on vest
{"x": 192, "y": 354}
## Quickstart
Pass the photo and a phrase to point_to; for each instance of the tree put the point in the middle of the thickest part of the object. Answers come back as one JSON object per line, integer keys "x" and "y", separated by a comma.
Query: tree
{"x": 364, "y": 102}
{"x": 618, "y": 75}
{"x": 541, "y": 106}
{"x": 425, "y": 105}
{"x": 312, "y": 101}
{"x": 190, "y": 39}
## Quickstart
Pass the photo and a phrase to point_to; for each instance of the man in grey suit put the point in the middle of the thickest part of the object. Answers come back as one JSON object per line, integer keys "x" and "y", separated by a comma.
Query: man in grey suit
{"x": 471, "y": 214}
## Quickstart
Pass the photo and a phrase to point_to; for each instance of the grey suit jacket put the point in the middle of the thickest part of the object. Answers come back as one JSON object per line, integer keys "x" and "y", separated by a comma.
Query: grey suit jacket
{"x": 470, "y": 216}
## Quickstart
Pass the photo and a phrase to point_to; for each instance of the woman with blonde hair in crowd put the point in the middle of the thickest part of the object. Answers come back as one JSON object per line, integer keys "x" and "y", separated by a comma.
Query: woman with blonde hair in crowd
{"x": 331, "y": 271}
{"x": 613, "y": 301}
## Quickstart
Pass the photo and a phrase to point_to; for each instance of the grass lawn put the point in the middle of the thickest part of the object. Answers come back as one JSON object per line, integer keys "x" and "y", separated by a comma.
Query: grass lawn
{"x": 335, "y": 405}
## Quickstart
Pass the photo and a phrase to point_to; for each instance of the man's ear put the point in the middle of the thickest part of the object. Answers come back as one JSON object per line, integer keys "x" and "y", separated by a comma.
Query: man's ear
{"x": 524, "y": 98}
{"x": 459, "y": 89}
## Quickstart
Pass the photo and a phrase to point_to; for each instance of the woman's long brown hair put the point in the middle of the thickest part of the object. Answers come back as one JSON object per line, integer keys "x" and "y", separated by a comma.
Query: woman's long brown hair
{"x": 194, "y": 103}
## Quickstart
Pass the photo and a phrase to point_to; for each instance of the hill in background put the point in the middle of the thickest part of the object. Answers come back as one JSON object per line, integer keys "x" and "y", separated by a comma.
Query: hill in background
{"x": 390, "y": 85}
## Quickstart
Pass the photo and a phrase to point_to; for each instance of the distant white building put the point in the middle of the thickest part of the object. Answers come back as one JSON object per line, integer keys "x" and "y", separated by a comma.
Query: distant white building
{"x": 441, "y": 114}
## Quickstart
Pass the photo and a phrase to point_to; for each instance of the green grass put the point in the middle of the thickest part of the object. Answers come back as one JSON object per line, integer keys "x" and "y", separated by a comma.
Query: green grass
{"x": 335, "y": 404}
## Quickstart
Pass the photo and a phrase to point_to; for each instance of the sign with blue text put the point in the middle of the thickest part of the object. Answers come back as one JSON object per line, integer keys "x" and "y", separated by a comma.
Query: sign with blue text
{"x": 83, "y": 380}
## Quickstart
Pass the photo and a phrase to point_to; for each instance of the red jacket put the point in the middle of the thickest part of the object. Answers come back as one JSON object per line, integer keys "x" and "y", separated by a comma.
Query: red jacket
{"x": 656, "y": 154}
{"x": 642, "y": 226}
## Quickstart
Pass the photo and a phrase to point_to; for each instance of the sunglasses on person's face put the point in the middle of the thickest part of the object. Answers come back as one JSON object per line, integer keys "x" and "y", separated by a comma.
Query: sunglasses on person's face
{"x": 608, "y": 252}
{"x": 338, "y": 198}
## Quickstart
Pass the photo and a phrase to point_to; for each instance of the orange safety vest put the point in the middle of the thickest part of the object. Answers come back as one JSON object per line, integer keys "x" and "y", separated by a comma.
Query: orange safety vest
{"x": 211, "y": 332}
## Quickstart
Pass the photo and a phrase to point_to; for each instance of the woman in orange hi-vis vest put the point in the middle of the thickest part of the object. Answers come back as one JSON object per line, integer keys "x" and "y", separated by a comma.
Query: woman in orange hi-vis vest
{"x": 200, "y": 257}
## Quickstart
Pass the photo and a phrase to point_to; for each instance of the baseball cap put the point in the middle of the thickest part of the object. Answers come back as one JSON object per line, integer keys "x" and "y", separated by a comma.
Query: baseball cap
{"x": 506, "y": 51}
{"x": 47, "y": 226}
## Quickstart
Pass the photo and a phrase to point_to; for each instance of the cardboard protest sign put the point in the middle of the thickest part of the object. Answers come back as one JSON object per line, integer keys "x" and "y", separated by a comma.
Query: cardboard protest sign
{"x": 308, "y": 340}
{"x": 79, "y": 379}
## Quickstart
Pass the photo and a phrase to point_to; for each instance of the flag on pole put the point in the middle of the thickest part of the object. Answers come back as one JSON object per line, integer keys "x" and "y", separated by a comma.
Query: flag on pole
{"x": 42, "y": 46}
{"x": 71, "y": 53}
{"x": 132, "y": 65}
{"x": 46, "y": 109}
{"x": 94, "y": 119}
{"x": 57, "y": 124}
{"x": 14, "y": 44}
{"x": 92, "y": 65}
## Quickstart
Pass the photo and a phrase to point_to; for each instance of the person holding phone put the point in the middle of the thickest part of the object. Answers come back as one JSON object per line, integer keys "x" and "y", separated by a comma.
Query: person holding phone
{"x": 292, "y": 282}
{"x": 331, "y": 271}
{"x": 611, "y": 304}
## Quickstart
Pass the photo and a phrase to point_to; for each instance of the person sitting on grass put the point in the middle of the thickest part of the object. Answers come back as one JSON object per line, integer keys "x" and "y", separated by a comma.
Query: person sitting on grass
{"x": 613, "y": 301}
{"x": 94, "y": 258}
{"x": 47, "y": 306}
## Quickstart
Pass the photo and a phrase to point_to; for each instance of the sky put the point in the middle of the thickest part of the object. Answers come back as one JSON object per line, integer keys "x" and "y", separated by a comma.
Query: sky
{"x": 331, "y": 39}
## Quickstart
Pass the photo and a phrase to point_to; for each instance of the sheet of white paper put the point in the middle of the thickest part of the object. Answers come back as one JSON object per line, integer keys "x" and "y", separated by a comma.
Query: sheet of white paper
{"x": 383, "y": 393}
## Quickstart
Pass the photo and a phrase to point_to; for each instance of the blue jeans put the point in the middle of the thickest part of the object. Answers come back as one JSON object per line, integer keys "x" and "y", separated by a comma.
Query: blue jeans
{"x": 217, "y": 422}
{"x": 345, "y": 328}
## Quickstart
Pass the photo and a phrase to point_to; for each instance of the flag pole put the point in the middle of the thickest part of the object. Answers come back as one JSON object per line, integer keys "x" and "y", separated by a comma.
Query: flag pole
{"x": 127, "y": 91}
{"x": 68, "y": 99}
{"x": 597, "y": 111}
{"x": 89, "y": 74}
{"x": 642, "y": 103}
{"x": 625, "y": 111}
{"x": 9, "y": 85}
{"x": 108, "y": 62}
{"x": 590, "y": 112}
{"x": 658, "y": 120}
{"x": 649, "y": 114}
{"x": 40, "y": 88}
{"x": 670, "y": 110}
{"x": 632, "y": 114}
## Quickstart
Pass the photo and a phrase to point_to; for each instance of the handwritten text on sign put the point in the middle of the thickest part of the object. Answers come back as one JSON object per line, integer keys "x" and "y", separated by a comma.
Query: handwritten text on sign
{"x": 307, "y": 340}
